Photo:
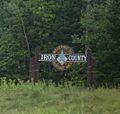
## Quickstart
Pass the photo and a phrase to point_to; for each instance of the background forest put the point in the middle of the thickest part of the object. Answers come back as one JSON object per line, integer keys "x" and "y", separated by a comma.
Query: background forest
{"x": 26, "y": 24}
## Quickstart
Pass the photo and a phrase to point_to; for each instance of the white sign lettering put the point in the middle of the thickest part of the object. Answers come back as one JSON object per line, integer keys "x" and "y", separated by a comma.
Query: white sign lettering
{"x": 65, "y": 58}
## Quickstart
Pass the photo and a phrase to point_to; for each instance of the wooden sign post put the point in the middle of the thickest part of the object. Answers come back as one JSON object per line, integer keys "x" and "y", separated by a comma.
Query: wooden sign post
{"x": 34, "y": 66}
{"x": 37, "y": 56}
{"x": 90, "y": 69}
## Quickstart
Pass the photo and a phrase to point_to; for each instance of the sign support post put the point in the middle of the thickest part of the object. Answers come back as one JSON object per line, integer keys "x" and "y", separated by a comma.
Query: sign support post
{"x": 37, "y": 56}
{"x": 90, "y": 69}
{"x": 34, "y": 66}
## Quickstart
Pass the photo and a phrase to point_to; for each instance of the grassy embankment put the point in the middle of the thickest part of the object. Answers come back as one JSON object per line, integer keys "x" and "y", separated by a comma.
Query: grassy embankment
{"x": 41, "y": 99}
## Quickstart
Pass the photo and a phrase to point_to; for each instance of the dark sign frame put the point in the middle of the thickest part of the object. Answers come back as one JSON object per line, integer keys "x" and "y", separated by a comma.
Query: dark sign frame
{"x": 34, "y": 67}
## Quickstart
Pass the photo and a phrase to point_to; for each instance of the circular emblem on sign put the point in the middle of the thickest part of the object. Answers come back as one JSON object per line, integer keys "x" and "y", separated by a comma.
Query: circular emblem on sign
{"x": 62, "y": 52}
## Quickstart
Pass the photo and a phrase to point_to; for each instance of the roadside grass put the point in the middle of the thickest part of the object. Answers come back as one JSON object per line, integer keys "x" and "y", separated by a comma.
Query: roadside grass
{"x": 27, "y": 98}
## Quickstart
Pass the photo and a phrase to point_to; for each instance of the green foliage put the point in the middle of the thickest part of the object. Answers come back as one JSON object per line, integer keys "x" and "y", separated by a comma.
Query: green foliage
{"x": 12, "y": 47}
{"x": 102, "y": 26}
{"x": 26, "y": 24}
{"x": 12, "y": 57}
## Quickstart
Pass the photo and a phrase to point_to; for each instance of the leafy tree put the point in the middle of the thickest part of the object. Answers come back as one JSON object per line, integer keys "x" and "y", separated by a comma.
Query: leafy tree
{"x": 103, "y": 37}
{"x": 12, "y": 43}
{"x": 26, "y": 24}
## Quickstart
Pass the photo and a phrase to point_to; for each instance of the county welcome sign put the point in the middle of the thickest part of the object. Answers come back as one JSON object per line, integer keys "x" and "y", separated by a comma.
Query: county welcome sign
{"x": 62, "y": 58}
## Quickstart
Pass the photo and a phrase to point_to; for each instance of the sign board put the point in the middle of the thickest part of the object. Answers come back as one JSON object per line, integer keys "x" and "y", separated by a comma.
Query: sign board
{"x": 63, "y": 57}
